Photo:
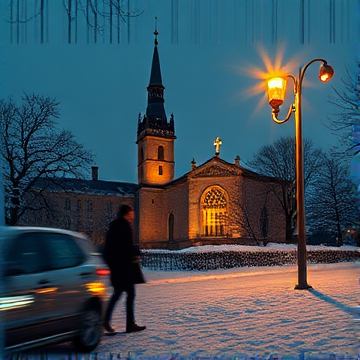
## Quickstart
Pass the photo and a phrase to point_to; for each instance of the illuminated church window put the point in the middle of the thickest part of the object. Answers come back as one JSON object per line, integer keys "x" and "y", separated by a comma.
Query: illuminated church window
{"x": 214, "y": 211}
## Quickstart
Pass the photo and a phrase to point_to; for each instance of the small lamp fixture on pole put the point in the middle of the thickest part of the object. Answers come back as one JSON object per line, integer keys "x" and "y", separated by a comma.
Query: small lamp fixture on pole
{"x": 276, "y": 89}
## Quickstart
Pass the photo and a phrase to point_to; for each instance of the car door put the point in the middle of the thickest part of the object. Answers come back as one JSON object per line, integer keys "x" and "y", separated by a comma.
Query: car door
{"x": 69, "y": 275}
{"x": 28, "y": 297}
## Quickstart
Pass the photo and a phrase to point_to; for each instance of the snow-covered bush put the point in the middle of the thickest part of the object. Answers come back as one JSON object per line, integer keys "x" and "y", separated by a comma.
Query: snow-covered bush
{"x": 225, "y": 257}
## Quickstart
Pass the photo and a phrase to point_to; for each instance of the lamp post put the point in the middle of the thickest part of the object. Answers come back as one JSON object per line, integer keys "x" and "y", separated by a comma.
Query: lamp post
{"x": 276, "y": 96}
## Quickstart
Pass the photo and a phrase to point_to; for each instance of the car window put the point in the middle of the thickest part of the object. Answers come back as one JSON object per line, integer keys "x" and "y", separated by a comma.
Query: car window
{"x": 86, "y": 245}
{"x": 63, "y": 251}
{"x": 25, "y": 255}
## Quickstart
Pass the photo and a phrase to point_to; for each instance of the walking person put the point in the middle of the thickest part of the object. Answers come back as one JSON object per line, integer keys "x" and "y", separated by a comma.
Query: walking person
{"x": 119, "y": 254}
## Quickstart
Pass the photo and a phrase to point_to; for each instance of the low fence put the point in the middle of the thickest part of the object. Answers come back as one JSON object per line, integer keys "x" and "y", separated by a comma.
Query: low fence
{"x": 180, "y": 261}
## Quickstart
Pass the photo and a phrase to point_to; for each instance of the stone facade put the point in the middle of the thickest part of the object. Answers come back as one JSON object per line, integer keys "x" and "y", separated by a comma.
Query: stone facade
{"x": 216, "y": 203}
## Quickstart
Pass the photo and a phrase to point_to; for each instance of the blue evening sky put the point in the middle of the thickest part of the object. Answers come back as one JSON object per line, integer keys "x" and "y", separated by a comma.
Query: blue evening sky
{"x": 208, "y": 53}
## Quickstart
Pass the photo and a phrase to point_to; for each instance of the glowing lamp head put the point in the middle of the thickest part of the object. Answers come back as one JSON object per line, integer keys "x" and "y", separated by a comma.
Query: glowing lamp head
{"x": 326, "y": 72}
{"x": 276, "y": 92}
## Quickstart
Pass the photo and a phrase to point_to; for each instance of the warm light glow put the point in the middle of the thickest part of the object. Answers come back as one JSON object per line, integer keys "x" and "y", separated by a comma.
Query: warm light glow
{"x": 326, "y": 72}
{"x": 47, "y": 290}
{"x": 276, "y": 91}
{"x": 275, "y": 66}
{"x": 97, "y": 288}
{"x": 103, "y": 272}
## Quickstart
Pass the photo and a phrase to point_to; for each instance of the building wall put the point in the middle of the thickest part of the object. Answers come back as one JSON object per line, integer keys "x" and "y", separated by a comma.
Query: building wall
{"x": 245, "y": 195}
{"x": 155, "y": 206}
{"x": 255, "y": 195}
{"x": 151, "y": 217}
{"x": 177, "y": 203}
{"x": 90, "y": 214}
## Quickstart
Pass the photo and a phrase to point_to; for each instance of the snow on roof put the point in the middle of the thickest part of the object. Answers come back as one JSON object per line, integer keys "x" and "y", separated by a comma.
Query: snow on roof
{"x": 96, "y": 187}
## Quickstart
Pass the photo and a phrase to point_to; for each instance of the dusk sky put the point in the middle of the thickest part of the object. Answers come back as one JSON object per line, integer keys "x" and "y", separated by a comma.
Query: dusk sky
{"x": 212, "y": 55}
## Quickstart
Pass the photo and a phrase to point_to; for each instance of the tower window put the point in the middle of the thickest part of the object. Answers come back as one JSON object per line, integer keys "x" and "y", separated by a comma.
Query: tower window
{"x": 160, "y": 170}
{"x": 160, "y": 152}
{"x": 141, "y": 154}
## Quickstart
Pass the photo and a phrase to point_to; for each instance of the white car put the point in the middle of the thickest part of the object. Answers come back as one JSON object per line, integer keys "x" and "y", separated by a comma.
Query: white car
{"x": 53, "y": 288}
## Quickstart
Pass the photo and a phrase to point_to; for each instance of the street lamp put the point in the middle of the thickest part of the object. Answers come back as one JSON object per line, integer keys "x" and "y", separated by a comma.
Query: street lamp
{"x": 276, "y": 96}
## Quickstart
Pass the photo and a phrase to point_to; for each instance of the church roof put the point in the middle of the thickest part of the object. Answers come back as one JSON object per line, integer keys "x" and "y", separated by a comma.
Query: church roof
{"x": 217, "y": 167}
{"x": 155, "y": 122}
{"x": 155, "y": 76}
{"x": 91, "y": 187}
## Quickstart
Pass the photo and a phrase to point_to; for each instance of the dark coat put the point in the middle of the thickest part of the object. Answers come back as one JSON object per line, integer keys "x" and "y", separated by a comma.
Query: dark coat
{"x": 119, "y": 252}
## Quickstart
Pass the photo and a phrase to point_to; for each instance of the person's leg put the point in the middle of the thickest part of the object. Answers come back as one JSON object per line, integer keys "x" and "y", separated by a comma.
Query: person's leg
{"x": 131, "y": 326}
{"x": 110, "y": 307}
{"x": 130, "y": 316}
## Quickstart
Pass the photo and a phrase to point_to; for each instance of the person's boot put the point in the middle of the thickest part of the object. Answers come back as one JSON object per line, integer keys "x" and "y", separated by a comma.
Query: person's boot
{"x": 107, "y": 327}
{"x": 134, "y": 328}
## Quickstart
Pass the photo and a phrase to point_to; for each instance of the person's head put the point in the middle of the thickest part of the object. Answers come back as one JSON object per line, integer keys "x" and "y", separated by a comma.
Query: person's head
{"x": 126, "y": 212}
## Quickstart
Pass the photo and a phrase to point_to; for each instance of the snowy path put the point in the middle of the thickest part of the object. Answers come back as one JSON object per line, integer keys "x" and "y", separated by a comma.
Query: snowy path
{"x": 241, "y": 311}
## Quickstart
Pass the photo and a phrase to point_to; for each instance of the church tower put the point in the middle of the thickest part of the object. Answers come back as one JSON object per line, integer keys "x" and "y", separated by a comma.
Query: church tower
{"x": 155, "y": 135}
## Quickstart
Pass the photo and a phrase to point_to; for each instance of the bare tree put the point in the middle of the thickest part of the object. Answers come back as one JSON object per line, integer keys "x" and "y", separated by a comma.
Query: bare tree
{"x": 32, "y": 148}
{"x": 97, "y": 17}
{"x": 249, "y": 217}
{"x": 101, "y": 15}
{"x": 345, "y": 122}
{"x": 243, "y": 216}
{"x": 333, "y": 205}
{"x": 278, "y": 160}
{"x": 20, "y": 15}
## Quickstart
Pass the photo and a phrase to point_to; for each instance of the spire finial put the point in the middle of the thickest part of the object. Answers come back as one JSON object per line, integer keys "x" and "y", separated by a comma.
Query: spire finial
{"x": 156, "y": 32}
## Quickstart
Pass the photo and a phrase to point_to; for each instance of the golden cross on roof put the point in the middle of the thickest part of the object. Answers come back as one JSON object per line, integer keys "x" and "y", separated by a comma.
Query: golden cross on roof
{"x": 217, "y": 144}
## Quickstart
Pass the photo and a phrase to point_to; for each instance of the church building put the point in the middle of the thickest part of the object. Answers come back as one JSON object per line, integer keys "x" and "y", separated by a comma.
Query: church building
{"x": 216, "y": 202}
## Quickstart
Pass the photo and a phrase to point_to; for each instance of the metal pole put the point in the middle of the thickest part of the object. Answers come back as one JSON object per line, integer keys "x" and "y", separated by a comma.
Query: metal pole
{"x": 300, "y": 192}
{"x": 326, "y": 72}
{"x": 2, "y": 287}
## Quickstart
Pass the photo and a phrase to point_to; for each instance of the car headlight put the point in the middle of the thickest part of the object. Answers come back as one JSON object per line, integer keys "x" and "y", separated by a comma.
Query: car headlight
{"x": 15, "y": 302}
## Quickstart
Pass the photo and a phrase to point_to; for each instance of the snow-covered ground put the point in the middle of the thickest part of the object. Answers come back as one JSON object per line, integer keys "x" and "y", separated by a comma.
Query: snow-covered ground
{"x": 243, "y": 312}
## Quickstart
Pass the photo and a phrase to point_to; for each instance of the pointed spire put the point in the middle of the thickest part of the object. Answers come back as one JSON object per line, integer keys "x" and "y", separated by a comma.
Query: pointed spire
{"x": 155, "y": 120}
{"x": 155, "y": 109}
{"x": 155, "y": 77}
